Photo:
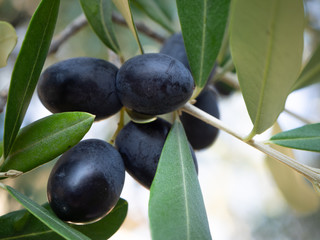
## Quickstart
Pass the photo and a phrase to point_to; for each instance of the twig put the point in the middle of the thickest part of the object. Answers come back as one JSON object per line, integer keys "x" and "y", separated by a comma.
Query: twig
{"x": 70, "y": 30}
{"x": 141, "y": 27}
{"x": 81, "y": 22}
{"x": 312, "y": 174}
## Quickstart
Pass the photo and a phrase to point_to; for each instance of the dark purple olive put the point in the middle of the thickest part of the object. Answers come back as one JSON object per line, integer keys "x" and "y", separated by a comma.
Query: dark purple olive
{"x": 86, "y": 182}
{"x": 174, "y": 47}
{"x": 80, "y": 84}
{"x": 154, "y": 84}
{"x": 200, "y": 134}
{"x": 140, "y": 146}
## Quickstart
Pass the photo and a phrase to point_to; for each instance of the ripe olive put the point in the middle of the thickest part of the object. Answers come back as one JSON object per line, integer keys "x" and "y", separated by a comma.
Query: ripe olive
{"x": 199, "y": 133}
{"x": 174, "y": 47}
{"x": 140, "y": 146}
{"x": 86, "y": 182}
{"x": 154, "y": 84}
{"x": 80, "y": 84}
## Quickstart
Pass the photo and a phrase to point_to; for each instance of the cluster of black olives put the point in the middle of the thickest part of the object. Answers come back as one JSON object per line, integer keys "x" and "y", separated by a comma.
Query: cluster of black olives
{"x": 86, "y": 182}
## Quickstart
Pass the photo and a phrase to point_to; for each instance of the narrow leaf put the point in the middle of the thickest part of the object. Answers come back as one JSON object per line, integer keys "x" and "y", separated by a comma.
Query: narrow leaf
{"x": 99, "y": 15}
{"x": 266, "y": 39}
{"x": 176, "y": 207}
{"x": 46, "y": 139}
{"x": 124, "y": 7}
{"x": 299, "y": 194}
{"x": 304, "y": 138}
{"x": 21, "y": 225}
{"x": 152, "y": 9}
{"x": 8, "y": 40}
{"x": 46, "y": 216}
{"x": 311, "y": 72}
{"x": 28, "y": 68}
{"x": 203, "y": 23}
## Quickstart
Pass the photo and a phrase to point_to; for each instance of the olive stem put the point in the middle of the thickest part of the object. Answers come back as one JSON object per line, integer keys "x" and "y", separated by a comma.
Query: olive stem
{"x": 81, "y": 21}
{"x": 10, "y": 173}
{"x": 312, "y": 174}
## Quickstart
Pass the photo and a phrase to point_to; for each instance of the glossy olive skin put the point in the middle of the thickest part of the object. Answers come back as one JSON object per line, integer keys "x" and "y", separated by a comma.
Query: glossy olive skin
{"x": 140, "y": 146}
{"x": 154, "y": 84}
{"x": 200, "y": 134}
{"x": 86, "y": 182}
{"x": 80, "y": 84}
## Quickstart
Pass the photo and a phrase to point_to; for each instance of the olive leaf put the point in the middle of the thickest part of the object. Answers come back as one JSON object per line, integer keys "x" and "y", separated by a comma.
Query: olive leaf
{"x": 176, "y": 207}
{"x": 152, "y": 9}
{"x": 8, "y": 40}
{"x": 124, "y": 7}
{"x": 305, "y": 138}
{"x": 22, "y": 225}
{"x": 46, "y": 217}
{"x": 99, "y": 15}
{"x": 28, "y": 67}
{"x": 267, "y": 53}
{"x": 299, "y": 194}
{"x": 203, "y": 23}
{"x": 46, "y": 139}
{"x": 310, "y": 73}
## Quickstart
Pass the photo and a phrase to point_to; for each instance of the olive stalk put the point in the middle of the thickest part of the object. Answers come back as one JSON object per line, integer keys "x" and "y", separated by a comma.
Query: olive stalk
{"x": 312, "y": 174}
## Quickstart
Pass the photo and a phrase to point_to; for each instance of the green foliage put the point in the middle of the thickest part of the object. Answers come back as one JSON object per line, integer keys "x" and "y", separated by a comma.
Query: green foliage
{"x": 152, "y": 9}
{"x": 8, "y": 40}
{"x": 22, "y": 225}
{"x": 99, "y": 15}
{"x": 267, "y": 54}
{"x": 34, "y": 143}
{"x": 176, "y": 207}
{"x": 28, "y": 67}
{"x": 203, "y": 24}
{"x": 125, "y": 9}
{"x": 305, "y": 138}
{"x": 48, "y": 218}
{"x": 311, "y": 72}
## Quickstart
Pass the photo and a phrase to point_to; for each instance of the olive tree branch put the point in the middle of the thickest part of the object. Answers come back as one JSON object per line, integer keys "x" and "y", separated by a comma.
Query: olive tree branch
{"x": 312, "y": 174}
{"x": 80, "y": 22}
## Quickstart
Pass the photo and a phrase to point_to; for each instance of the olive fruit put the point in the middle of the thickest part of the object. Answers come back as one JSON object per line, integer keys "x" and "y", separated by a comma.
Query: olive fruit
{"x": 174, "y": 47}
{"x": 86, "y": 182}
{"x": 154, "y": 84}
{"x": 140, "y": 146}
{"x": 200, "y": 134}
{"x": 80, "y": 84}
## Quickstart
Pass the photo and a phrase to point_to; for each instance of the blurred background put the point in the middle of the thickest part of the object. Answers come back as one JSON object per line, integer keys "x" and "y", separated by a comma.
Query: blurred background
{"x": 246, "y": 195}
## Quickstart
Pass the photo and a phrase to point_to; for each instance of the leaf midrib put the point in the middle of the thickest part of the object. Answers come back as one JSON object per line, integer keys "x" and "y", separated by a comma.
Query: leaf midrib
{"x": 186, "y": 203}
{"x": 46, "y": 137}
{"x": 29, "y": 81}
{"x": 267, "y": 64}
{"x": 203, "y": 40}
{"x": 296, "y": 139}
{"x": 29, "y": 235}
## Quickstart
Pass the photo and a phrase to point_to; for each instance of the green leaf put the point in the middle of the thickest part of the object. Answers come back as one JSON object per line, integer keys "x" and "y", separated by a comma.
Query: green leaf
{"x": 124, "y": 7}
{"x": 28, "y": 68}
{"x": 46, "y": 139}
{"x": 299, "y": 194}
{"x": 266, "y": 40}
{"x": 176, "y": 207}
{"x": 203, "y": 23}
{"x": 152, "y": 9}
{"x": 21, "y": 225}
{"x": 168, "y": 8}
{"x": 46, "y": 217}
{"x": 99, "y": 15}
{"x": 310, "y": 73}
{"x": 8, "y": 40}
{"x": 304, "y": 138}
